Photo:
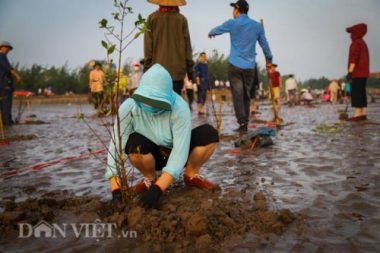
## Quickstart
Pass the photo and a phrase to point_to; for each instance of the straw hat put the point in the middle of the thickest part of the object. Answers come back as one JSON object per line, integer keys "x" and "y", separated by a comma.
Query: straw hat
{"x": 168, "y": 2}
{"x": 6, "y": 44}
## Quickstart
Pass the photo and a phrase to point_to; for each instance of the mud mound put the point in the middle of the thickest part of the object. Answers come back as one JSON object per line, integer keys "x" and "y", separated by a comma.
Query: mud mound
{"x": 188, "y": 219}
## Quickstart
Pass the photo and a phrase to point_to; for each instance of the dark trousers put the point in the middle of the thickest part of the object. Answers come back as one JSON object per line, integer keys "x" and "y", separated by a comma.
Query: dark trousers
{"x": 202, "y": 95}
{"x": 200, "y": 136}
{"x": 190, "y": 96}
{"x": 241, "y": 81}
{"x": 96, "y": 97}
{"x": 6, "y": 97}
{"x": 359, "y": 93}
{"x": 177, "y": 86}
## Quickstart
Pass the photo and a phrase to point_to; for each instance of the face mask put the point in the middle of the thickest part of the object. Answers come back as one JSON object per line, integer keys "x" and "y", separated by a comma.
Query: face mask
{"x": 149, "y": 108}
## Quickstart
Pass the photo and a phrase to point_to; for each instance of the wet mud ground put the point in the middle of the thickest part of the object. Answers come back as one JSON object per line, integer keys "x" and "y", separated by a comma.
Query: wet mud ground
{"x": 312, "y": 191}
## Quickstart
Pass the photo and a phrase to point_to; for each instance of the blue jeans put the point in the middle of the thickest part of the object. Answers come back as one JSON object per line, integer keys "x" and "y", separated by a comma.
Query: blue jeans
{"x": 241, "y": 81}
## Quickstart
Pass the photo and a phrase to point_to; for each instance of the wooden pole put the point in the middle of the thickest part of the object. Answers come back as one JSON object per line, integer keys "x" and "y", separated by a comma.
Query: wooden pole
{"x": 277, "y": 120}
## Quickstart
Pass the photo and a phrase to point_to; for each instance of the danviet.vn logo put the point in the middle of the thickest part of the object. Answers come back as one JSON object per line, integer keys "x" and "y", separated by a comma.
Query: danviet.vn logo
{"x": 96, "y": 230}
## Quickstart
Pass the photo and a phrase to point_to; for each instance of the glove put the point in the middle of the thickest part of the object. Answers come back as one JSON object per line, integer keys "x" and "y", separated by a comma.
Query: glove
{"x": 349, "y": 77}
{"x": 116, "y": 197}
{"x": 149, "y": 198}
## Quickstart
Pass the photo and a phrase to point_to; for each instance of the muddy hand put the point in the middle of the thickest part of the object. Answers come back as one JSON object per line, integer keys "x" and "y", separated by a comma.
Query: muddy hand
{"x": 149, "y": 198}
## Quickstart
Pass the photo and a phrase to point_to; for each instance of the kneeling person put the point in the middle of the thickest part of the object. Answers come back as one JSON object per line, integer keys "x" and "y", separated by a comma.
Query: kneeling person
{"x": 155, "y": 127}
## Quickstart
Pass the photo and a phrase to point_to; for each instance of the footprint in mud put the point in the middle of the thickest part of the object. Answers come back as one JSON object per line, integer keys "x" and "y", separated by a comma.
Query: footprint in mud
{"x": 362, "y": 188}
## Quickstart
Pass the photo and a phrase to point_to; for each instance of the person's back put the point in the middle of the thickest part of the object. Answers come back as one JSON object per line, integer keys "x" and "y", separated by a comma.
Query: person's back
{"x": 167, "y": 42}
{"x": 246, "y": 46}
{"x": 244, "y": 33}
{"x": 96, "y": 80}
{"x": 334, "y": 87}
{"x": 290, "y": 84}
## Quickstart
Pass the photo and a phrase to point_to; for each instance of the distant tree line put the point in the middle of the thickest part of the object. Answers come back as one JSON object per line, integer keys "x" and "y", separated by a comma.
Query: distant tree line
{"x": 62, "y": 79}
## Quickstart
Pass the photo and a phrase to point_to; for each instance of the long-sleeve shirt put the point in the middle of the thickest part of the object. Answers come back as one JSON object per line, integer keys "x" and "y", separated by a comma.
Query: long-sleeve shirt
{"x": 96, "y": 80}
{"x": 170, "y": 129}
{"x": 5, "y": 72}
{"x": 167, "y": 42}
{"x": 359, "y": 53}
{"x": 244, "y": 33}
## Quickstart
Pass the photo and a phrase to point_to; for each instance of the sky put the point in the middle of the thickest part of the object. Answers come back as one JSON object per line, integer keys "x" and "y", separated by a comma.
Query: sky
{"x": 307, "y": 37}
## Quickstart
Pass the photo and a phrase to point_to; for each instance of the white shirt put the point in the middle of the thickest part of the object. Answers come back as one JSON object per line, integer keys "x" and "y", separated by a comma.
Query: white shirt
{"x": 290, "y": 84}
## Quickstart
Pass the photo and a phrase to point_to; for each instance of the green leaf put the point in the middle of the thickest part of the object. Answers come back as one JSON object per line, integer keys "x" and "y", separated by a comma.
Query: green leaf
{"x": 115, "y": 15}
{"x": 103, "y": 23}
{"x": 104, "y": 44}
{"x": 137, "y": 35}
{"x": 111, "y": 49}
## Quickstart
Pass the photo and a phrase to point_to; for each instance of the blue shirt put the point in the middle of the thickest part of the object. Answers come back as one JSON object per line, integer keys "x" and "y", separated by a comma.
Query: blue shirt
{"x": 201, "y": 71}
{"x": 5, "y": 69}
{"x": 244, "y": 33}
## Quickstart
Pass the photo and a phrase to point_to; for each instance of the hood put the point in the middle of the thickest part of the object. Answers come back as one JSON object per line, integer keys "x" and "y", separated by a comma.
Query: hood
{"x": 357, "y": 31}
{"x": 156, "y": 89}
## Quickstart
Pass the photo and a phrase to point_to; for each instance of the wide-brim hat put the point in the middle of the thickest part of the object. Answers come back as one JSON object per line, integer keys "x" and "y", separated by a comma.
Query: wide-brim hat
{"x": 168, "y": 2}
{"x": 6, "y": 44}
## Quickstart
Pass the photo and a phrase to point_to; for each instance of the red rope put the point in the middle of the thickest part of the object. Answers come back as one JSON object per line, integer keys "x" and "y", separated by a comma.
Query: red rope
{"x": 40, "y": 166}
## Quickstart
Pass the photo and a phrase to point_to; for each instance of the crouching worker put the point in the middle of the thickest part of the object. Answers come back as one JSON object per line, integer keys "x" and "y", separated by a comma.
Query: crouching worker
{"x": 155, "y": 127}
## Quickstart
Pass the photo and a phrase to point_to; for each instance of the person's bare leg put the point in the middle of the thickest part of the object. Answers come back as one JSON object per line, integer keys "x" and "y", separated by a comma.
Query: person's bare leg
{"x": 198, "y": 156}
{"x": 146, "y": 164}
{"x": 357, "y": 112}
{"x": 200, "y": 108}
{"x": 364, "y": 111}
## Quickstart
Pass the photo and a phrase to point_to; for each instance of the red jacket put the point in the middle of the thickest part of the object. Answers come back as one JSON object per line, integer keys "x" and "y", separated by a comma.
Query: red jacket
{"x": 359, "y": 54}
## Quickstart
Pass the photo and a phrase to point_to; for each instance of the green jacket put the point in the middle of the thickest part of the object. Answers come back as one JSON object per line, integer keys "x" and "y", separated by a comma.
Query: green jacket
{"x": 167, "y": 42}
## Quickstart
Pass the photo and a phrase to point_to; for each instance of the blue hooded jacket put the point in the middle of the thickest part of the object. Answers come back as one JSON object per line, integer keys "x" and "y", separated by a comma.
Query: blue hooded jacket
{"x": 158, "y": 113}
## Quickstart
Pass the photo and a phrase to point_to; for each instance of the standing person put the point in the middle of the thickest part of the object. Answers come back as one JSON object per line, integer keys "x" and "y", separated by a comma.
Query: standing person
{"x": 134, "y": 77}
{"x": 276, "y": 79}
{"x": 96, "y": 82}
{"x": 123, "y": 83}
{"x": 348, "y": 91}
{"x": 291, "y": 90}
{"x": 201, "y": 73}
{"x": 189, "y": 92}
{"x": 334, "y": 88}
{"x": 167, "y": 41}
{"x": 6, "y": 83}
{"x": 156, "y": 135}
{"x": 358, "y": 71}
{"x": 254, "y": 88}
{"x": 343, "y": 89}
{"x": 244, "y": 33}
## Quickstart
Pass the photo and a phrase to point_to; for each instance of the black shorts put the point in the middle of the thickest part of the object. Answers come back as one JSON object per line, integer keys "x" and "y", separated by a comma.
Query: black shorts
{"x": 138, "y": 143}
{"x": 359, "y": 93}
